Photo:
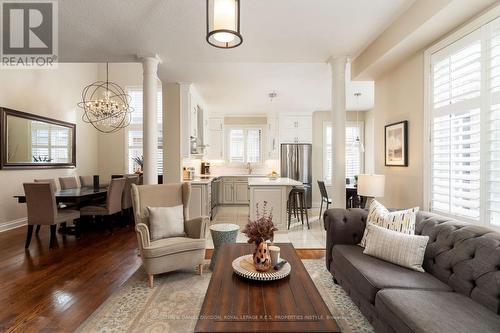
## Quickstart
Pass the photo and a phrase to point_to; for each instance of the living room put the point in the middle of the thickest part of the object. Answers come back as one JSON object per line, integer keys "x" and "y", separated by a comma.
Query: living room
{"x": 194, "y": 178}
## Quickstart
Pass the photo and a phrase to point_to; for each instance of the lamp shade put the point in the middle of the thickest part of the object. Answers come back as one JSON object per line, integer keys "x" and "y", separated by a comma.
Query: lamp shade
{"x": 371, "y": 185}
{"x": 223, "y": 23}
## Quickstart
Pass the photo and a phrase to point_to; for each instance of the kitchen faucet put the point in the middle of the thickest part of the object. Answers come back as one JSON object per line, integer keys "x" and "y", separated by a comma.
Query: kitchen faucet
{"x": 249, "y": 168}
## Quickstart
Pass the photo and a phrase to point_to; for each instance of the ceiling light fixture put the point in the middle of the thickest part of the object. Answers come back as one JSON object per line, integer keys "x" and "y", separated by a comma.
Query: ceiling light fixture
{"x": 272, "y": 95}
{"x": 105, "y": 105}
{"x": 223, "y": 23}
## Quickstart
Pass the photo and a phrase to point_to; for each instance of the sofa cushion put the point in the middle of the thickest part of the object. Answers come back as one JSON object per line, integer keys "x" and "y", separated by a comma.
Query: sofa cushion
{"x": 173, "y": 245}
{"x": 415, "y": 311}
{"x": 370, "y": 274}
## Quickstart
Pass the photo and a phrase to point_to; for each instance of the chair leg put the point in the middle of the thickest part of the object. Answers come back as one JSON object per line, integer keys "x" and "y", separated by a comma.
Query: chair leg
{"x": 200, "y": 269}
{"x": 37, "y": 230}
{"x": 29, "y": 233}
{"x": 321, "y": 209}
{"x": 53, "y": 229}
{"x": 305, "y": 210}
{"x": 301, "y": 207}
{"x": 289, "y": 211}
{"x": 109, "y": 223}
{"x": 150, "y": 277}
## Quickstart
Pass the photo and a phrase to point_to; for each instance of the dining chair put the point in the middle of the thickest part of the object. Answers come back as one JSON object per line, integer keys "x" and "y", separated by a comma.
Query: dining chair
{"x": 168, "y": 254}
{"x": 86, "y": 181}
{"x": 324, "y": 197}
{"x": 127, "y": 196}
{"x": 112, "y": 206}
{"x": 42, "y": 210}
{"x": 51, "y": 181}
{"x": 68, "y": 183}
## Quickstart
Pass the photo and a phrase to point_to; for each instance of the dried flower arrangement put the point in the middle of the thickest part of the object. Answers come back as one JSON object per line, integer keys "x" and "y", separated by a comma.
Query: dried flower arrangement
{"x": 262, "y": 229}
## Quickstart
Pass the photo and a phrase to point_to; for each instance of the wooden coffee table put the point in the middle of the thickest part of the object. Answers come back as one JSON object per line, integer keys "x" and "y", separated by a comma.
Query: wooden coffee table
{"x": 235, "y": 304}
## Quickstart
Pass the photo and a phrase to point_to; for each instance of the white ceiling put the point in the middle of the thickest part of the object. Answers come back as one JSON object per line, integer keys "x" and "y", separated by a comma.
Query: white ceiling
{"x": 285, "y": 45}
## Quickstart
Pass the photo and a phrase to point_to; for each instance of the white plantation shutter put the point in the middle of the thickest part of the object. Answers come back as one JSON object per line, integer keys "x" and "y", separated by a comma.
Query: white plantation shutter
{"x": 245, "y": 145}
{"x": 353, "y": 153}
{"x": 456, "y": 139}
{"x": 134, "y": 131}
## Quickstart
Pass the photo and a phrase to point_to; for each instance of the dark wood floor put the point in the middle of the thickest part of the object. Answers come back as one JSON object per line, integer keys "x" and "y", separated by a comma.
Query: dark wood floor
{"x": 56, "y": 290}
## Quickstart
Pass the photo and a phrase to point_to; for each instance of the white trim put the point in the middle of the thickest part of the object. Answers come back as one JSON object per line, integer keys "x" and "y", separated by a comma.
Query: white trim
{"x": 13, "y": 224}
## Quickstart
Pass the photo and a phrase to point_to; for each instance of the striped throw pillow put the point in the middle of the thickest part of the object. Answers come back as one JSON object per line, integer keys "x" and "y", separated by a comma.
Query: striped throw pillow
{"x": 392, "y": 246}
{"x": 401, "y": 220}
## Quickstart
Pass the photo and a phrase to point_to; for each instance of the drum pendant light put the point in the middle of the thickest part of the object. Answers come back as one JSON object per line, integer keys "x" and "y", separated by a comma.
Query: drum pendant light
{"x": 223, "y": 23}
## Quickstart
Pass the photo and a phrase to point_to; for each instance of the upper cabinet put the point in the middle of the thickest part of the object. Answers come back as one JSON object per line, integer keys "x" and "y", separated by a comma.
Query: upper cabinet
{"x": 215, "y": 149}
{"x": 295, "y": 129}
{"x": 193, "y": 122}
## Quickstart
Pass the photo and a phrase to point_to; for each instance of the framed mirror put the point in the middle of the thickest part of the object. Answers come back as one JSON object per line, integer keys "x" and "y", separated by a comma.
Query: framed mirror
{"x": 31, "y": 142}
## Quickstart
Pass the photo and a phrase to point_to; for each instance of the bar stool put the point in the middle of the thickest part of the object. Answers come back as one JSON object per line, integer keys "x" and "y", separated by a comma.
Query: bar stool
{"x": 297, "y": 205}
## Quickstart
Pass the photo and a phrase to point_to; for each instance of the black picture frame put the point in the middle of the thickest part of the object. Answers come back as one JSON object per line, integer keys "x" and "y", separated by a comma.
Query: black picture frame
{"x": 6, "y": 165}
{"x": 396, "y": 151}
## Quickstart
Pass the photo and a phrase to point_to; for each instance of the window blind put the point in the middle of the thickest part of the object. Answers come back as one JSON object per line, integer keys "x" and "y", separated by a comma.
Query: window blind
{"x": 135, "y": 128}
{"x": 352, "y": 151}
{"x": 456, "y": 138}
{"x": 245, "y": 145}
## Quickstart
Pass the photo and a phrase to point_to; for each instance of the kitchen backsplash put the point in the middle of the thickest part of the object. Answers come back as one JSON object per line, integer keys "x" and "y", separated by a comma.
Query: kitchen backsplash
{"x": 221, "y": 168}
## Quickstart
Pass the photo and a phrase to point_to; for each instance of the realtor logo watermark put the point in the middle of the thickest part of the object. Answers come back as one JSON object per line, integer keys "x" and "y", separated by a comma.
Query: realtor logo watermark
{"x": 29, "y": 34}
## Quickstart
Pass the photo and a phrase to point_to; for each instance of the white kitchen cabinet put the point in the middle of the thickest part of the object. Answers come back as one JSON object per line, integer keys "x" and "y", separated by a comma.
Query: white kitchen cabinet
{"x": 215, "y": 149}
{"x": 272, "y": 137}
{"x": 241, "y": 193}
{"x": 200, "y": 202}
{"x": 297, "y": 129}
{"x": 216, "y": 124}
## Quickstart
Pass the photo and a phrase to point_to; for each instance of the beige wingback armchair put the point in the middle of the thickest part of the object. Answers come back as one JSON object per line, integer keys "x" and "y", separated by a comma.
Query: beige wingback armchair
{"x": 168, "y": 254}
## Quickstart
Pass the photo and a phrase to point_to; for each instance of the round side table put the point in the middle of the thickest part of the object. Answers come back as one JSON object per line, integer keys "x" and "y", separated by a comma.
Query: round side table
{"x": 222, "y": 233}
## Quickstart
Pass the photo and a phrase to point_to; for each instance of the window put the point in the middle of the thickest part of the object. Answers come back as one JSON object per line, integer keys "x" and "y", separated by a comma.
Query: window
{"x": 244, "y": 144}
{"x": 464, "y": 116}
{"x": 134, "y": 130}
{"x": 353, "y": 153}
{"x": 50, "y": 143}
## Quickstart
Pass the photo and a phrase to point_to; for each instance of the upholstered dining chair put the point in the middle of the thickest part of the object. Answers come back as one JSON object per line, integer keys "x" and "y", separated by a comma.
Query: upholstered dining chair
{"x": 68, "y": 183}
{"x": 42, "y": 210}
{"x": 51, "y": 181}
{"x": 168, "y": 254}
{"x": 86, "y": 181}
{"x": 113, "y": 203}
{"x": 127, "y": 196}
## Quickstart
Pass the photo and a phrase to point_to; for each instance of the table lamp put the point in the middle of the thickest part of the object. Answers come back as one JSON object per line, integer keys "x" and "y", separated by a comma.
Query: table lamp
{"x": 371, "y": 186}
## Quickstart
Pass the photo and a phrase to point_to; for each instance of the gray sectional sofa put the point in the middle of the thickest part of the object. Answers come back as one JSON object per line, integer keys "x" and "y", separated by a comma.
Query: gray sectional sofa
{"x": 459, "y": 291}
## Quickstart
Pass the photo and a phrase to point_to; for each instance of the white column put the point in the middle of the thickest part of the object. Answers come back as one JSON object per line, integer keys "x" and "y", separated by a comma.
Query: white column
{"x": 338, "y": 67}
{"x": 150, "y": 121}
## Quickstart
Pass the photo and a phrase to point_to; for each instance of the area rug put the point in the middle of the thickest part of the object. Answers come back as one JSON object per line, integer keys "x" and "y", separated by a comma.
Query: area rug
{"x": 175, "y": 302}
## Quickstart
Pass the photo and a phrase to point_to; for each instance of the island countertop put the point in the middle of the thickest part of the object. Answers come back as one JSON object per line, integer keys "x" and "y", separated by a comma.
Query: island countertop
{"x": 264, "y": 181}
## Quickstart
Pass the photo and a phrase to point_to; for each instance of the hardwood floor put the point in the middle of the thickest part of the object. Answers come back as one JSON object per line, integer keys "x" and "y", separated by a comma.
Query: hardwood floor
{"x": 56, "y": 290}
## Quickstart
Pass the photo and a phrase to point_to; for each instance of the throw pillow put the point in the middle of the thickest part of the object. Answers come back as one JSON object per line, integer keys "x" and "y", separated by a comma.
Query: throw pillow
{"x": 392, "y": 246}
{"x": 165, "y": 222}
{"x": 401, "y": 220}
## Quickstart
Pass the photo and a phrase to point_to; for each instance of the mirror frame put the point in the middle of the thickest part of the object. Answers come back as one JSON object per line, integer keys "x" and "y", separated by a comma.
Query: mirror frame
{"x": 5, "y": 165}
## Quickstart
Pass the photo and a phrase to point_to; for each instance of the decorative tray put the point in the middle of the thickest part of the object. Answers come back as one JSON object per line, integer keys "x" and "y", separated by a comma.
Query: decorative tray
{"x": 244, "y": 267}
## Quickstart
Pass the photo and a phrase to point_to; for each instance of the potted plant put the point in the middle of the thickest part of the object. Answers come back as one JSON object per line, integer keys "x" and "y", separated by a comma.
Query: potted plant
{"x": 259, "y": 232}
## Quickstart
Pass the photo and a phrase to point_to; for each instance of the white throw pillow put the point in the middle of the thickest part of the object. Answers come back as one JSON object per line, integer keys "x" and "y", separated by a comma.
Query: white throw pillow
{"x": 401, "y": 220}
{"x": 165, "y": 222}
{"x": 396, "y": 247}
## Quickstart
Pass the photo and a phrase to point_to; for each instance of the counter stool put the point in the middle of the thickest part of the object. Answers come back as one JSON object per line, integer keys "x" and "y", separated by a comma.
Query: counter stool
{"x": 297, "y": 205}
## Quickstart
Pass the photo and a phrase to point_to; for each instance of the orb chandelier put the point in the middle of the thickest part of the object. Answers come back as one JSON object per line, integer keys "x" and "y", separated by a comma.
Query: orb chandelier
{"x": 105, "y": 105}
{"x": 223, "y": 23}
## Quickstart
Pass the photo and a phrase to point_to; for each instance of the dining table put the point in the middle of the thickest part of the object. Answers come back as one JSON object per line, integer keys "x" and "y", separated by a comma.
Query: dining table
{"x": 78, "y": 196}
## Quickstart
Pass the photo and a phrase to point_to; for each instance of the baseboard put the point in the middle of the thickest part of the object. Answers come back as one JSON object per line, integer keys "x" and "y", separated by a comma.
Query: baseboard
{"x": 13, "y": 224}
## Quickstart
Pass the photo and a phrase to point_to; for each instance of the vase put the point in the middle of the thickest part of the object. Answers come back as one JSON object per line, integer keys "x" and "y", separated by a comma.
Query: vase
{"x": 262, "y": 257}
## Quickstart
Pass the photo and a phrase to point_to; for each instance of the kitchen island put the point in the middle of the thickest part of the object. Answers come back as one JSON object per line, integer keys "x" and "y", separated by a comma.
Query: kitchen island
{"x": 275, "y": 193}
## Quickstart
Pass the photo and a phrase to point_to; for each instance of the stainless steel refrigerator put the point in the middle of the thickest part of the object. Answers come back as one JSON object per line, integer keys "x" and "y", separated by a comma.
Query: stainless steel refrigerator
{"x": 296, "y": 164}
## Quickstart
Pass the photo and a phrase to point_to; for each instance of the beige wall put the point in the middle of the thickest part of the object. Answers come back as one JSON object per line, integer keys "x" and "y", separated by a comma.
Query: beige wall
{"x": 399, "y": 96}
{"x": 50, "y": 93}
{"x": 112, "y": 146}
